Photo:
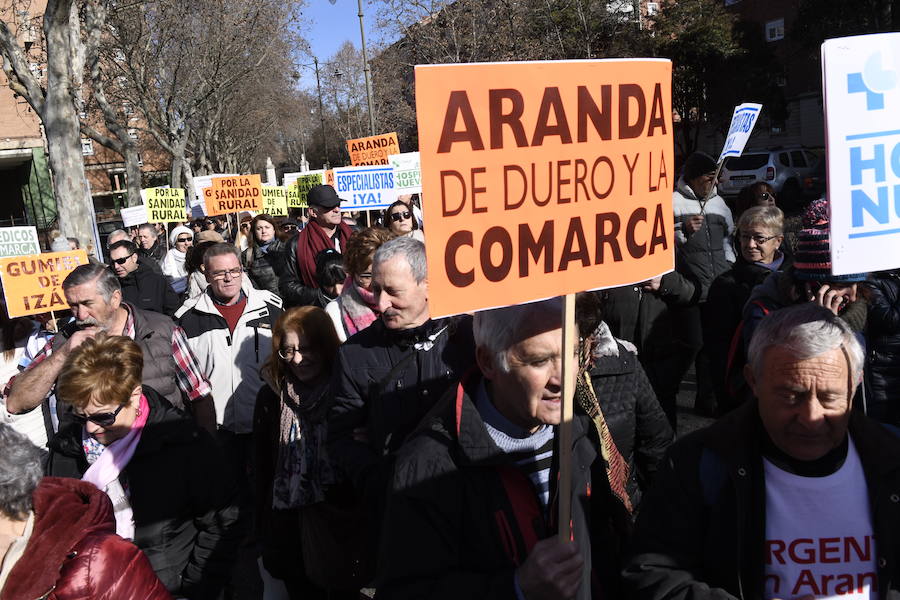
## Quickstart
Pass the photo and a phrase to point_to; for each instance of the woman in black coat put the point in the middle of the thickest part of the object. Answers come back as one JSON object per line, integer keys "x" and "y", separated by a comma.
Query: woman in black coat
{"x": 263, "y": 259}
{"x": 883, "y": 347}
{"x": 760, "y": 232}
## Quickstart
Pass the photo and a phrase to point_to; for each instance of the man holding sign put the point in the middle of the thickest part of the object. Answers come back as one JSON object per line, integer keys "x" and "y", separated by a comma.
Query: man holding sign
{"x": 474, "y": 485}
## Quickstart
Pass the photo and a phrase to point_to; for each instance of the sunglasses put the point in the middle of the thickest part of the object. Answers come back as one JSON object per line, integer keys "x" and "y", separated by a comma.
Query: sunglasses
{"x": 121, "y": 261}
{"x": 101, "y": 419}
{"x": 288, "y": 227}
{"x": 245, "y": 225}
{"x": 185, "y": 239}
{"x": 400, "y": 216}
{"x": 766, "y": 195}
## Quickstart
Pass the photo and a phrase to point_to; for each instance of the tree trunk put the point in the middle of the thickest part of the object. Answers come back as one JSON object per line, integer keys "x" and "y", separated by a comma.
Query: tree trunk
{"x": 61, "y": 125}
{"x": 179, "y": 146}
{"x": 133, "y": 175}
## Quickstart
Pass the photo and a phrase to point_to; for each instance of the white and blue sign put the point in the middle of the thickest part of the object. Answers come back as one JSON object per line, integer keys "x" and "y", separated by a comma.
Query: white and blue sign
{"x": 862, "y": 113}
{"x": 742, "y": 122}
{"x": 365, "y": 187}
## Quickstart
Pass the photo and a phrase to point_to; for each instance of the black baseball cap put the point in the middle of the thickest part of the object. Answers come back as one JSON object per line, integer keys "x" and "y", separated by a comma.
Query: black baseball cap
{"x": 324, "y": 196}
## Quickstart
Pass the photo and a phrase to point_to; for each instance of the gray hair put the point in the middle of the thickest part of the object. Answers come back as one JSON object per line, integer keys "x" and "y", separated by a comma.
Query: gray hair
{"x": 806, "y": 330}
{"x": 220, "y": 249}
{"x": 103, "y": 277}
{"x": 767, "y": 217}
{"x": 20, "y": 473}
{"x": 149, "y": 227}
{"x": 115, "y": 235}
{"x": 411, "y": 249}
{"x": 498, "y": 329}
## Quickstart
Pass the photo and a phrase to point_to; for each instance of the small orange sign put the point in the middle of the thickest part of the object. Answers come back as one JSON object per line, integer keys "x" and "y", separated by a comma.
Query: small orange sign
{"x": 32, "y": 284}
{"x": 234, "y": 194}
{"x": 542, "y": 179}
{"x": 373, "y": 150}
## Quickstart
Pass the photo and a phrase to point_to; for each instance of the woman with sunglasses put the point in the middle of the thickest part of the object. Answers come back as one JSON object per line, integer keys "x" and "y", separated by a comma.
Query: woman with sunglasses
{"x": 401, "y": 220}
{"x": 355, "y": 308}
{"x": 264, "y": 257}
{"x": 293, "y": 476}
{"x": 173, "y": 266}
{"x": 171, "y": 489}
{"x": 755, "y": 194}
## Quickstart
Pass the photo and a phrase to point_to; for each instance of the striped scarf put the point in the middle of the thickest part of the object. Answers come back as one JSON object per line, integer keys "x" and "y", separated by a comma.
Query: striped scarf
{"x": 616, "y": 467}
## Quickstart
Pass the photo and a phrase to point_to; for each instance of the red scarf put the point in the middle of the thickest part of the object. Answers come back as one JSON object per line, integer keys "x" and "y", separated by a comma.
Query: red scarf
{"x": 310, "y": 242}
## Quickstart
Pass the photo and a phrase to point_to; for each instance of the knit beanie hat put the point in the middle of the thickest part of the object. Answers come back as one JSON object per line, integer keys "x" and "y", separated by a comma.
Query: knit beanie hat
{"x": 812, "y": 259}
{"x": 697, "y": 164}
{"x": 60, "y": 244}
{"x": 173, "y": 235}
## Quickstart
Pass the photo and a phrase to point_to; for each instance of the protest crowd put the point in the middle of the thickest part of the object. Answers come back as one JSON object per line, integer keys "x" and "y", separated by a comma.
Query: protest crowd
{"x": 264, "y": 397}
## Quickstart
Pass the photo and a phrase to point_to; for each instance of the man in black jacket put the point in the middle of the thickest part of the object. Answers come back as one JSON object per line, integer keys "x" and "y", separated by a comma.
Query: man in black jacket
{"x": 141, "y": 286}
{"x": 473, "y": 503}
{"x": 790, "y": 496}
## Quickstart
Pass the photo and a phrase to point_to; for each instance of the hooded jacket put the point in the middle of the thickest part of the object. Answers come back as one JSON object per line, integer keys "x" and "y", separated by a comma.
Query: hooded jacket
{"x": 708, "y": 252}
{"x": 74, "y": 553}
{"x": 186, "y": 515}
{"x": 461, "y": 518}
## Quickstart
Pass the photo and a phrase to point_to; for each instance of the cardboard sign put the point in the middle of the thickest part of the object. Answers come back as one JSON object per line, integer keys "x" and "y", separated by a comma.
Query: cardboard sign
{"x": 32, "y": 284}
{"x": 862, "y": 79}
{"x": 16, "y": 241}
{"x": 234, "y": 194}
{"x": 165, "y": 205}
{"x": 274, "y": 200}
{"x": 301, "y": 184}
{"x": 742, "y": 122}
{"x": 542, "y": 179}
{"x": 197, "y": 204}
{"x": 134, "y": 215}
{"x": 365, "y": 188}
{"x": 407, "y": 172}
{"x": 373, "y": 150}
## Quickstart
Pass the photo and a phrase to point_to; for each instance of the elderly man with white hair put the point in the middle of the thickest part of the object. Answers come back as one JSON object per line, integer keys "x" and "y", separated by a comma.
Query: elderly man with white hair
{"x": 793, "y": 495}
{"x": 473, "y": 502}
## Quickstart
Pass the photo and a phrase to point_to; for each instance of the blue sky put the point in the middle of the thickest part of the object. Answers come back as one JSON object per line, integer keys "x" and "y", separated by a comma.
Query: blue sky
{"x": 329, "y": 25}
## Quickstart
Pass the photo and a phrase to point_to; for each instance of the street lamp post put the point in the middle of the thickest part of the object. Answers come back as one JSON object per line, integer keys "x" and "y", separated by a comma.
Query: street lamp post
{"x": 365, "y": 57}
{"x": 321, "y": 109}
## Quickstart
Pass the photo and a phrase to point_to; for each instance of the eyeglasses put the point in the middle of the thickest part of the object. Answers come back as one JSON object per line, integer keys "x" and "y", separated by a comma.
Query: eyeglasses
{"x": 245, "y": 225}
{"x": 181, "y": 240}
{"x": 288, "y": 227}
{"x": 366, "y": 275}
{"x": 235, "y": 273}
{"x": 759, "y": 239}
{"x": 289, "y": 353}
{"x": 121, "y": 261}
{"x": 766, "y": 196}
{"x": 102, "y": 419}
{"x": 400, "y": 216}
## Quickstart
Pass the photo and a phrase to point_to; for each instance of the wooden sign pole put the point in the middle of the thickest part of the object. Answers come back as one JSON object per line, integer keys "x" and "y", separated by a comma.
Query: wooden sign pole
{"x": 570, "y": 370}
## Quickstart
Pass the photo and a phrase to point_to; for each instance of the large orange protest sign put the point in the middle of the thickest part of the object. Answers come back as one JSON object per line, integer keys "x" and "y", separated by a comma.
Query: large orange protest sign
{"x": 373, "y": 150}
{"x": 543, "y": 179}
{"x": 32, "y": 284}
{"x": 234, "y": 194}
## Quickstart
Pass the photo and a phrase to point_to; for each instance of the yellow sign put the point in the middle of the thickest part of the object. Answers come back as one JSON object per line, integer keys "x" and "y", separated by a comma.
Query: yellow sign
{"x": 165, "y": 205}
{"x": 373, "y": 150}
{"x": 233, "y": 194}
{"x": 274, "y": 200}
{"x": 543, "y": 179}
{"x": 32, "y": 284}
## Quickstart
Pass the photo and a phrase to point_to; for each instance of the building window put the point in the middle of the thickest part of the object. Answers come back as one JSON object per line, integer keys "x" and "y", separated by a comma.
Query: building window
{"x": 775, "y": 30}
{"x": 133, "y": 134}
{"x": 87, "y": 147}
{"x": 117, "y": 181}
{"x": 127, "y": 109}
{"x": 652, "y": 8}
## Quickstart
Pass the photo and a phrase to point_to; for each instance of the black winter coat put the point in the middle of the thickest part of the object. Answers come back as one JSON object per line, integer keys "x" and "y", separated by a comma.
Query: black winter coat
{"x": 645, "y": 318}
{"x": 183, "y": 495}
{"x": 265, "y": 268}
{"x": 461, "y": 517}
{"x": 638, "y": 425}
{"x": 883, "y": 348}
{"x": 381, "y": 382}
{"x": 700, "y": 534}
{"x": 724, "y": 309}
{"x": 149, "y": 290}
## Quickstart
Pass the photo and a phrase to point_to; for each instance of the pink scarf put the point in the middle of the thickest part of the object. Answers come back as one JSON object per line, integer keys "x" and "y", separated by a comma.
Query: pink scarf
{"x": 358, "y": 308}
{"x": 105, "y": 471}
